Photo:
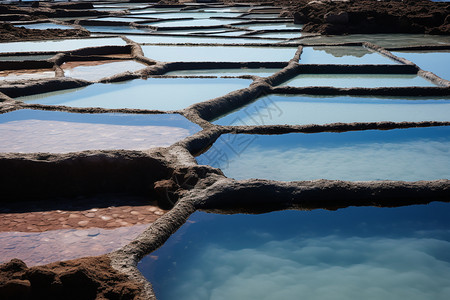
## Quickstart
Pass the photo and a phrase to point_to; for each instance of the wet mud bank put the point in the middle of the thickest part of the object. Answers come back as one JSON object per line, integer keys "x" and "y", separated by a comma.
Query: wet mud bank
{"x": 85, "y": 278}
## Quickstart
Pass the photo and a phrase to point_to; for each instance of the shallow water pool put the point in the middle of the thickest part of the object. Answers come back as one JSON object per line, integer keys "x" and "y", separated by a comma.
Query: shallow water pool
{"x": 44, "y": 26}
{"x": 304, "y": 109}
{"x": 347, "y": 55}
{"x": 60, "y": 45}
{"x": 357, "y": 80}
{"x": 153, "y": 93}
{"x": 437, "y": 62}
{"x": 40, "y": 248}
{"x": 400, "y": 154}
{"x": 219, "y": 53}
{"x": 31, "y": 131}
{"x": 155, "y": 39}
{"x": 262, "y": 72}
{"x": 100, "y": 69}
{"x": 353, "y": 253}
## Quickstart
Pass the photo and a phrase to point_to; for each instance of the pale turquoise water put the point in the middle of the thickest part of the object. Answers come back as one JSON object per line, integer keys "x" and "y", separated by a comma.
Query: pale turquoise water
{"x": 437, "y": 62}
{"x": 262, "y": 72}
{"x": 357, "y": 80}
{"x": 342, "y": 55}
{"x": 155, "y": 39}
{"x": 303, "y": 109}
{"x": 60, "y": 45}
{"x": 33, "y": 131}
{"x": 353, "y": 253}
{"x": 119, "y": 19}
{"x": 219, "y": 53}
{"x": 400, "y": 154}
{"x": 153, "y": 93}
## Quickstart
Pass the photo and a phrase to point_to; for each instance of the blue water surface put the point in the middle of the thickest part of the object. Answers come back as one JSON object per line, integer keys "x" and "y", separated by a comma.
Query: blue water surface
{"x": 352, "y": 253}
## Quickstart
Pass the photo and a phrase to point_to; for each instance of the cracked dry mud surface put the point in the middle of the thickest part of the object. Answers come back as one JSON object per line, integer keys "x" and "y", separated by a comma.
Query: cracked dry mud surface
{"x": 159, "y": 188}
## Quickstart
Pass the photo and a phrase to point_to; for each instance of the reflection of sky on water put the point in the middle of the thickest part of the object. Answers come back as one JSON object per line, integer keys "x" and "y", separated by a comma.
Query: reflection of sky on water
{"x": 219, "y": 53}
{"x": 357, "y": 80}
{"x": 38, "y": 248}
{"x": 309, "y": 109}
{"x": 436, "y": 62}
{"x": 51, "y": 131}
{"x": 353, "y": 253}
{"x": 60, "y": 45}
{"x": 100, "y": 70}
{"x": 153, "y": 93}
{"x": 345, "y": 55}
{"x": 400, "y": 154}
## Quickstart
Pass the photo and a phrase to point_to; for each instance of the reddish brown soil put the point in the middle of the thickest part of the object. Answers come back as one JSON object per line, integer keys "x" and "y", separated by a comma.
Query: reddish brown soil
{"x": 84, "y": 278}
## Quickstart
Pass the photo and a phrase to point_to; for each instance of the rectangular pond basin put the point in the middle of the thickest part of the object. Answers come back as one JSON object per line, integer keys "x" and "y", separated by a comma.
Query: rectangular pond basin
{"x": 401, "y": 154}
{"x": 273, "y": 26}
{"x": 40, "y": 248}
{"x": 358, "y": 80}
{"x": 309, "y": 109}
{"x": 186, "y": 14}
{"x": 59, "y": 45}
{"x": 352, "y": 253}
{"x": 261, "y": 72}
{"x": 437, "y": 62}
{"x": 115, "y": 29}
{"x": 26, "y": 74}
{"x": 89, "y": 70}
{"x": 190, "y": 23}
{"x": 219, "y": 53}
{"x": 32, "y": 131}
{"x": 25, "y": 57}
{"x": 44, "y": 26}
{"x": 167, "y": 39}
{"x": 153, "y": 93}
{"x": 383, "y": 40}
{"x": 344, "y": 55}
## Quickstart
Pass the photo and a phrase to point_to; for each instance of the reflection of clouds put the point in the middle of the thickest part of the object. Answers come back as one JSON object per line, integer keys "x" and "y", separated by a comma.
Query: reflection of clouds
{"x": 419, "y": 160}
{"x": 328, "y": 267}
{"x": 305, "y": 111}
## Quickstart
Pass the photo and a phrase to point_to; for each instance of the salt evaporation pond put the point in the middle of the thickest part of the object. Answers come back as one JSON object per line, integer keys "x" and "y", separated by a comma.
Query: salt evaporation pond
{"x": 383, "y": 40}
{"x": 155, "y": 39}
{"x": 26, "y": 74}
{"x": 189, "y": 23}
{"x": 345, "y": 55}
{"x": 59, "y": 45}
{"x": 44, "y": 26}
{"x": 54, "y": 131}
{"x": 353, "y": 253}
{"x": 267, "y": 26}
{"x": 261, "y": 72}
{"x": 357, "y": 80}
{"x": 219, "y": 53}
{"x": 89, "y": 70}
{"x": 25, "y": 57}
{"x": 153, "y": 93}
{"x": 39, "y": 248}
{"x": 115, "y": 29}
{"x": 309, "y": 109}
{"x": 437, "y": 62}
{"x": 400, "y": 154}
